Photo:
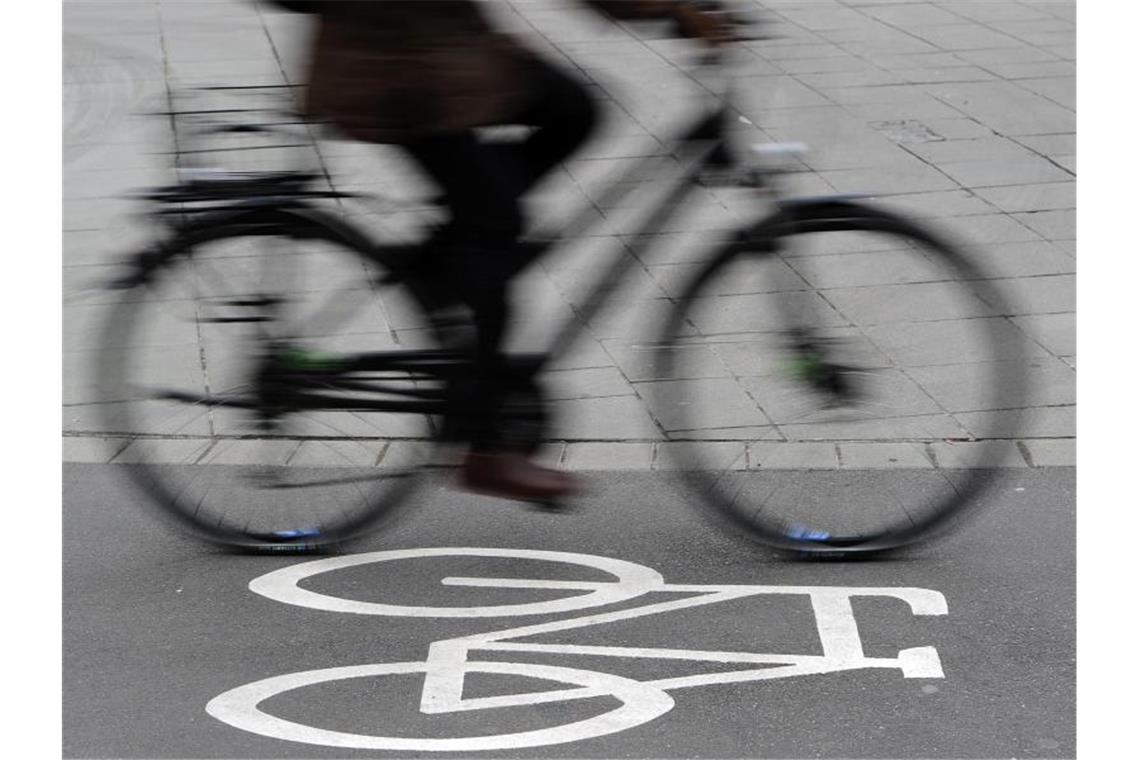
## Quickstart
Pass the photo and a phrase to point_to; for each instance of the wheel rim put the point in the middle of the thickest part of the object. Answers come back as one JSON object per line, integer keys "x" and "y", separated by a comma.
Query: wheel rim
{"x": 926, "y": 342}
{"x": 220, "y": 465}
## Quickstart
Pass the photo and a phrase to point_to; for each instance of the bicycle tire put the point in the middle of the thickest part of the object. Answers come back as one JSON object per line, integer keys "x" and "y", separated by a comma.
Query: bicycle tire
{"x": 299, "y": 481}
{"x": 886, "y": 298}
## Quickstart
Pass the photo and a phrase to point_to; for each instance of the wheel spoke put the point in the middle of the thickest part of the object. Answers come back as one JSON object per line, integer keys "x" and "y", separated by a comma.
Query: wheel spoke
{"x": 186, "y": 374}
{"x": 853, "y": 353}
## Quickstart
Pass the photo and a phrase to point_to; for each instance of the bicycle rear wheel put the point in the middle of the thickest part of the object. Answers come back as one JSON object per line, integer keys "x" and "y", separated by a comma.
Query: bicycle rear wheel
{"x": 186, "y": 373}
{"x": 840, "y": 381}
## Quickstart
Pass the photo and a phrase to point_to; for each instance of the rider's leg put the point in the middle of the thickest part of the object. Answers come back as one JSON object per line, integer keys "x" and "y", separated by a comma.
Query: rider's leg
{"x": 485, "y": 224}
{"x": 483, "y": 181}
{"x": 564, "y": 116}
{"x": 482, "y": 184}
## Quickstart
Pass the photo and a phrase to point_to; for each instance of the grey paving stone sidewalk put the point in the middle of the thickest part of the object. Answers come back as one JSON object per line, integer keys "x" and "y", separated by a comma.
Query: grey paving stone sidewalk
{"x": 958, "y": 112}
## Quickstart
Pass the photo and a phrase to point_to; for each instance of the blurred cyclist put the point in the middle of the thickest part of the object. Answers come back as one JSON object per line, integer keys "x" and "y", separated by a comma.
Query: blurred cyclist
{"x": 424, "y": 74}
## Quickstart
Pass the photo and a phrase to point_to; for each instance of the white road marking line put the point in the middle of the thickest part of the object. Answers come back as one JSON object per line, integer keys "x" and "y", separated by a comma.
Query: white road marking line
{"x": 641, "y": 703}
{"x": 447, "y": 663}
{"x": 632, "y": 580}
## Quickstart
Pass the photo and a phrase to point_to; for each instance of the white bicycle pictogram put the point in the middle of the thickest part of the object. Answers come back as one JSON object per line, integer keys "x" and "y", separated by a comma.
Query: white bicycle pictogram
{"x": 448, "y": 662}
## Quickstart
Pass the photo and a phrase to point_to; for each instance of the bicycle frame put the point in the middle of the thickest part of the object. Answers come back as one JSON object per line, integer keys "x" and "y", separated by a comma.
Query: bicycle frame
{"x": 705, "y": 139}
{"x": 272, "y": 206}
{"x": 698, "y": 149}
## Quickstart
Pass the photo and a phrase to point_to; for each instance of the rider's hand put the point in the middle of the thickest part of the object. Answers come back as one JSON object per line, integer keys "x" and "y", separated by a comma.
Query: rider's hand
{"x": 713, "y": 27}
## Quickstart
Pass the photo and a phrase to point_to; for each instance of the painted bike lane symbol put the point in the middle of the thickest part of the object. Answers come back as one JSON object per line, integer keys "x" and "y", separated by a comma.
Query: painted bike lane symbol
{"x": 448, "y": 661}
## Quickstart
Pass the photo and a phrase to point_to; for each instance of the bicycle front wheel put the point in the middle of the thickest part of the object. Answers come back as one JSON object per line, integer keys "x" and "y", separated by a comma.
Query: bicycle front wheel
{"x": 841, "y": 380}
{"x": 202, "y": 360}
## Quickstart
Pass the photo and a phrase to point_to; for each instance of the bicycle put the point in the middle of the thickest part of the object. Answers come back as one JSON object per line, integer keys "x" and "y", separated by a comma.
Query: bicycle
{"x": 277, "y": 341}
{"x": 445, "y": 693}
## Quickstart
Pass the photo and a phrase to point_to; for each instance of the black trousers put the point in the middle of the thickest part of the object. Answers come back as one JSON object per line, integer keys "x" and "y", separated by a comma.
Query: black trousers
{"x": 482, "y": 184}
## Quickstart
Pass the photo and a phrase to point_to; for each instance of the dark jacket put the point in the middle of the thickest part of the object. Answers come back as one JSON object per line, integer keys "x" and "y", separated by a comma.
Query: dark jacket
{"x": 394, "y": 70}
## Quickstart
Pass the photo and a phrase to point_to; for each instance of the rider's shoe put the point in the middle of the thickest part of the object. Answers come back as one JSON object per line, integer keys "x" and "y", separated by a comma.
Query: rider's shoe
{"x": 510, "y": 475}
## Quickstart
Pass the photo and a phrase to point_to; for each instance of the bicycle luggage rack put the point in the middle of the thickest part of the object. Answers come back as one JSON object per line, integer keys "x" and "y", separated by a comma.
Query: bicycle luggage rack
{"x": 208, "y": 190}
{"x": 217, "y": 133}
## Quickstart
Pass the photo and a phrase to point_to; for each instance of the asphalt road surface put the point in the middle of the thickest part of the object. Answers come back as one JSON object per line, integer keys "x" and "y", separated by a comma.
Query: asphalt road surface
{"x": 629, "y": 628}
